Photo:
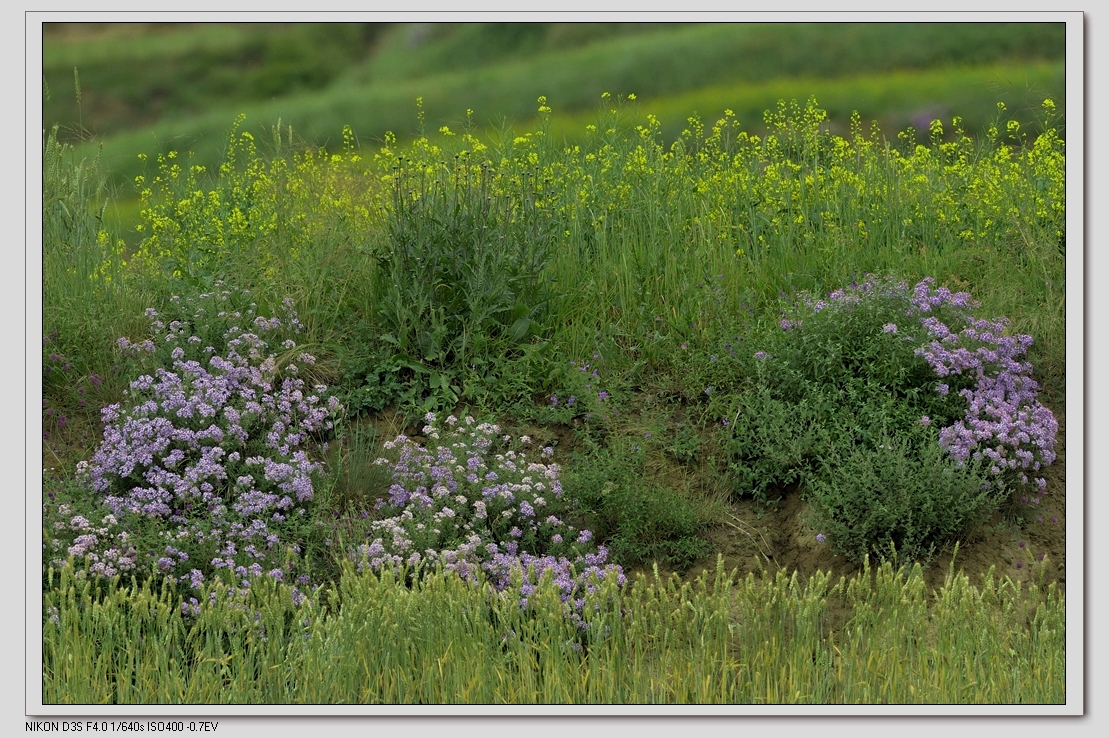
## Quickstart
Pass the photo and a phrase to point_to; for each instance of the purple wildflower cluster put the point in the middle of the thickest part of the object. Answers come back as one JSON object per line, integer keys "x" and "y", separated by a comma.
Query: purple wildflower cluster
{"x": 107, "y": 548}
{"x": 455, "y": 503}
{"x": 213, "y": 453}
{"x": 1004, "y": 423}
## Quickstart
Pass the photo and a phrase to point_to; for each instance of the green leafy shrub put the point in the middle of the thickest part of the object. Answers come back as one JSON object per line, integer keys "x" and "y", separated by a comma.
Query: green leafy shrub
{"x": 462, "y": 279}
{"x": 873, "y": 362}
{"x": 901, "y": 495}
{"x": 639, "y": 519}
{"x": 773, "y": 443}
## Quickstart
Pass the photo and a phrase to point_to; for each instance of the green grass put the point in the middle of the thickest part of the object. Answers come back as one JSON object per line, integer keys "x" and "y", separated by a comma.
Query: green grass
{"x": 895, "y": 99}
{"x": 878, "y": 638}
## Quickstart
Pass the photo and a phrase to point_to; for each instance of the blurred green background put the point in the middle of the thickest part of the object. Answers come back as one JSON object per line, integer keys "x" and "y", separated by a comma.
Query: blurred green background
{"x": 151, "y": 88}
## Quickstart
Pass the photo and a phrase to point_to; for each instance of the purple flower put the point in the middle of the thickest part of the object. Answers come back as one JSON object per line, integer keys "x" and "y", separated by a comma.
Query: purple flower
{"x": 760, "y": 355}
{"x": 820, "y": 538}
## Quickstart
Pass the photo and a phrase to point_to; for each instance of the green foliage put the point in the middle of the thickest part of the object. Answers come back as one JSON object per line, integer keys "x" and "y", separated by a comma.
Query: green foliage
{"x": 463, "y": 276}
{"x": 717, "y": 640}
{"x": 685, "y": 444}
{"x": 774, "y": 444}
{"x": 373, "y": 383}
{"x": 639, "y": 519}
{"x": 85, "y": 299}
{"x": 886, "y": 494}
{"x": 843, "y": 403}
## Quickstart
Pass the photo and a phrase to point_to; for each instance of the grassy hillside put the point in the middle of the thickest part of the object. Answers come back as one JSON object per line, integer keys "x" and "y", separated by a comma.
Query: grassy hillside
{"x": 783, "y": 350}
{"x": 156, "y": 88}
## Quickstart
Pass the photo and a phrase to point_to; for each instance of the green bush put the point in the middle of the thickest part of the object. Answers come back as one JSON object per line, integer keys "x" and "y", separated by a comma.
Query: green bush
{"x": 462, "y": 279}
{"x": 638, "y": 519}
{"x": 842, "y": 376}
{"x": 902, "y": 496}
{"x": 774, "y": 443}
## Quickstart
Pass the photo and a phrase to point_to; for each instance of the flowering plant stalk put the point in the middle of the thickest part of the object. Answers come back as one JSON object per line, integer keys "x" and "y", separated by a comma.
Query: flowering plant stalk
{"x": 460, "y": 503}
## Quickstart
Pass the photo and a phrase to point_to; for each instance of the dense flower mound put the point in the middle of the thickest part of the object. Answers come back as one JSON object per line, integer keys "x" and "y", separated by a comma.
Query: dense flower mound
{"x": 461, "y": 504}
{"x": 905, "y": 418}
{"x": 1003, "y": 423}
{"x": 209, "y": 458}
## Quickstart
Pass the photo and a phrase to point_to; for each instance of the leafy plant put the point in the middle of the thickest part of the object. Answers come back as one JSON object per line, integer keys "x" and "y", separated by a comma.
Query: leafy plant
{"x": 685, "y": 444}
{"x": 640, "y": 520}
{"x": 463, "y": 276}
{"x": 773, "y": 444}
{"x": 846, "y": 373}
{"x": 897, "y": 495}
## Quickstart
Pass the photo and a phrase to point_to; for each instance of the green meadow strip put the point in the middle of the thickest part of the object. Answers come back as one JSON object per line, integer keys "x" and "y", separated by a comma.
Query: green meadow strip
{"x": 893, "y": 98}
{"x": 716, "y": 640}
{"x": 205, "y": 38}
{"x": 748, "y": 64}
